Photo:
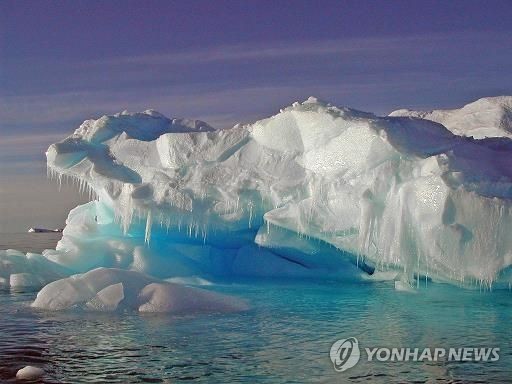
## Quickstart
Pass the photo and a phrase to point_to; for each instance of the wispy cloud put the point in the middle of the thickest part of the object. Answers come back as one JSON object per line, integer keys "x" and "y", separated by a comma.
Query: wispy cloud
{"x": 24, "y": 144}
{"x": 27, "y": 139}
{"x": 23, "y": 152}
{"x": 291, "y": 49}
{"x": 244, "y": 52}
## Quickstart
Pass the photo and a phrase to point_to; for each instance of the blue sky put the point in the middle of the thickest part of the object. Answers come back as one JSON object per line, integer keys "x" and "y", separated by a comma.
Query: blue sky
{"x": 228, "y": 61}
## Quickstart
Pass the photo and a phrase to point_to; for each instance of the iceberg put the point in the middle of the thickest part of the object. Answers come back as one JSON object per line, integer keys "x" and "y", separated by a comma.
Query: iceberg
{"x": 314, "y": 192}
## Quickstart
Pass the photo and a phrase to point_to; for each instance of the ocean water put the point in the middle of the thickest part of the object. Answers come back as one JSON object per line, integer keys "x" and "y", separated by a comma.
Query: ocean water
{"x": 284, "y": 338}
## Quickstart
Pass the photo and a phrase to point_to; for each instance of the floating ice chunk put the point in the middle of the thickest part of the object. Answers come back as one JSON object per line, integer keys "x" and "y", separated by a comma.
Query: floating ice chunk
{"x": 105, "y": 289}
{"x": 28, "y": 271}
{"x": 24, "y": 280}
{"x": 77, "y": 290}
{"x": 29, "y": 373}
{"x": 404, "y": 286}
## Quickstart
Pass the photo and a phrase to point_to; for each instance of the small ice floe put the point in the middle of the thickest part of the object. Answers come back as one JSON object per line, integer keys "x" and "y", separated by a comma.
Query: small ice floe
{"x": 29, "y": 373}
{"x": 31, "y": 271}
{"x": 404, "y": 286}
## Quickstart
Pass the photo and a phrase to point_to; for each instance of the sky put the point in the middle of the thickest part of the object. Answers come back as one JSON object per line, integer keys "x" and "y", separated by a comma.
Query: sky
{"x": 224, "y": 62}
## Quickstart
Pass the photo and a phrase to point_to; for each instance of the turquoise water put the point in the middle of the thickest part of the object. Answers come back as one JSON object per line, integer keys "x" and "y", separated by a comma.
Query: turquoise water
{"x": 285, "y": 337}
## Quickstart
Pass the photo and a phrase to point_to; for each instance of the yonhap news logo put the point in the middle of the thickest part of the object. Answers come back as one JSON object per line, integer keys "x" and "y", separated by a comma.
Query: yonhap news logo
{"x": 346, "y": 353}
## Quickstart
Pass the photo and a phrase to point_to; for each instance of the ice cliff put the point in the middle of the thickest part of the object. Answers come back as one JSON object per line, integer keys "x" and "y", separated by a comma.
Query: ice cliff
{"x": 315, "y": 191}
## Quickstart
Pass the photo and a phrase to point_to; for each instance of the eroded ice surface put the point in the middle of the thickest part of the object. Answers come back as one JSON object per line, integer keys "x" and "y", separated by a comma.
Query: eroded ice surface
{"x": 107, "y": 289}
{"x": 315, "y": 191}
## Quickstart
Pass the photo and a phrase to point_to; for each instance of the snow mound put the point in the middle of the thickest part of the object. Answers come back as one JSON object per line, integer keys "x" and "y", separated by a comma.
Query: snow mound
{"x": 315, "y": 191}
{"x": 486, "y": 117}
{"x": 105, "y": 289}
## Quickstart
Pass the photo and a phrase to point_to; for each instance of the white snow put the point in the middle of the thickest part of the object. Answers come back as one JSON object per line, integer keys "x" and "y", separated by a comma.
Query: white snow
{"x": 486, "y": 117}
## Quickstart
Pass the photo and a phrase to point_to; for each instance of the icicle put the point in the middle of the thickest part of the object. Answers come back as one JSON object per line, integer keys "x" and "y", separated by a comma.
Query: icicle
{"x": 250, "y": 213}
{"x": 204, "y": 235}
{"x": 147, "y": 234}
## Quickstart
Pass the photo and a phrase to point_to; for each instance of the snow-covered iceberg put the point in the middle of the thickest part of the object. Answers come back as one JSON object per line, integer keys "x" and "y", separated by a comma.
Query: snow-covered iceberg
{"x": 314, "y": 191}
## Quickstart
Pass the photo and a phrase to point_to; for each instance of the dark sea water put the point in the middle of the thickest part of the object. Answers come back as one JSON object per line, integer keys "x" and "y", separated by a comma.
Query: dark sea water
{"x": 284, "y": 338}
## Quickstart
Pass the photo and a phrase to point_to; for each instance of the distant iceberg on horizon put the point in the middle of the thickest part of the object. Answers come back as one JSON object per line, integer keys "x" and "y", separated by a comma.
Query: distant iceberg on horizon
{"x": 316, "y": 192}
{"x": 44, "y": 230}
